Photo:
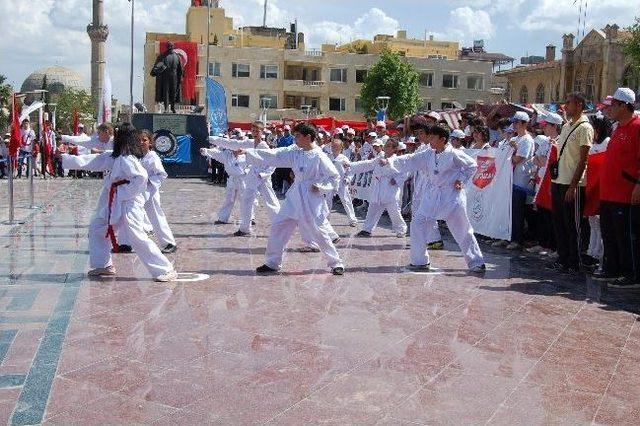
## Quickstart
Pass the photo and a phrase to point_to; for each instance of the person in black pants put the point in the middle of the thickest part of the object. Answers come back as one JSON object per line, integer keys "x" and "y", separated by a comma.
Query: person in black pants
{"x": 568, "y": 183}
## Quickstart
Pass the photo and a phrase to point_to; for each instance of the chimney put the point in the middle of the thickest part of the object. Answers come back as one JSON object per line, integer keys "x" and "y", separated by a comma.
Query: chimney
{"x": 567, "y": 41}
{"x": 611, "y": 31}
{"x": 402, "y": 35}
{"x": 551, "y": 53}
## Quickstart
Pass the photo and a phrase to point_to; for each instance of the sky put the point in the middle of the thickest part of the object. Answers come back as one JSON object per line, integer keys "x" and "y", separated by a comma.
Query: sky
{"x": 53, "y": 32}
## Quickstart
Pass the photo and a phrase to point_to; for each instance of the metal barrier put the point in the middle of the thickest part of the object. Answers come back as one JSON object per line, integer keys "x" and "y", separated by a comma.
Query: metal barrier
{"x": 12, "y": 220}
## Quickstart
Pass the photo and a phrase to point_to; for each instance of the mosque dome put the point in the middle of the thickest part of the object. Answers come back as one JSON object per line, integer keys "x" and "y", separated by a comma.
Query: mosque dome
{"x": 58, "y": 79}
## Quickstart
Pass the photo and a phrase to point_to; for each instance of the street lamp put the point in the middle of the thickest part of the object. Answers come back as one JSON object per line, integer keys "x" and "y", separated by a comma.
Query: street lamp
{"x": 133, "y": 3}
{"x": 306, "y": 109}
{"x": 264, "y": 104}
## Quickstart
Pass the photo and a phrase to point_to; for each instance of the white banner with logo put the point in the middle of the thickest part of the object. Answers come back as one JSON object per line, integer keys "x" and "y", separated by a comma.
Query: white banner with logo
{"x": 361, "y": 186}
{"x": 489, "y": 193}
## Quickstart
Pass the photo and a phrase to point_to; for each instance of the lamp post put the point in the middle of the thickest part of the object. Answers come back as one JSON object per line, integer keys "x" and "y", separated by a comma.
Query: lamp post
{"x": 306, "y": 109}
{"x": 133, "y": 4}
{"x": 264, "y": 104}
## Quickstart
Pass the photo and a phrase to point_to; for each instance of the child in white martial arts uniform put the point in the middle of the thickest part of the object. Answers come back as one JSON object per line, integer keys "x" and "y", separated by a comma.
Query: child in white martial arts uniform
{"x": 339, "y": 160}
{"x": 304, "y": 206}
{"x": 422, "y": 181}
{"x": 445, "y": 199}
{"x": 120, "y": 206}
{"x": 236, "y": 167}
{"x": 157, "y": 174}
{"x": 257, "y": 181}
{"x": 99, "y": 142}
{"x": 385, "y": 190}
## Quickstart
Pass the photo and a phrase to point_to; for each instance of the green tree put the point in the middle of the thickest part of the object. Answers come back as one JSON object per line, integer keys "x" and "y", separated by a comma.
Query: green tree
{"x": 5, "y": 103}
{"x": 395, "y": 77}
{"x": 67, "y": 101}
{"x": 631, "y": 48}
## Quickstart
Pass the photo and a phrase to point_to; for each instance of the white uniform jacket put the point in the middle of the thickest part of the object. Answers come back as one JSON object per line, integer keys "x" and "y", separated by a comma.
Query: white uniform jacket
{"x": 382, "y": 191}
{"x": 257, "y": 175}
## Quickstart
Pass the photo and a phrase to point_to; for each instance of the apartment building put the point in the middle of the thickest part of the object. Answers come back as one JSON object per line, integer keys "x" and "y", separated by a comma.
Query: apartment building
{"x": 269, "y": 68}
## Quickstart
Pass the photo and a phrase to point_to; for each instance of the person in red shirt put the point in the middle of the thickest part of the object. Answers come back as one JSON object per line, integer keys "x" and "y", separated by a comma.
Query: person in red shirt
{"x": 620, "y": 194}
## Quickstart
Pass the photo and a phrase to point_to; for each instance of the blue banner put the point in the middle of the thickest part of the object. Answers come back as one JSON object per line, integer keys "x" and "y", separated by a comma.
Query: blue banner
{"x": 217, "y": 101}
{"x": 381, "y": 115}
{"x": 182, "y": 153}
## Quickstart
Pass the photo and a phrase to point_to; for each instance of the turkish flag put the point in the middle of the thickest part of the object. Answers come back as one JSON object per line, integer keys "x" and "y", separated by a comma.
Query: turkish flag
{"x": 543, "y": 197}
{"x": 76, "y": 122}
{"x": 16, "y": 138}
{"x": 188, "y": 53}
{"x": 592, "y": 201}
{"x": 485, "y": 172}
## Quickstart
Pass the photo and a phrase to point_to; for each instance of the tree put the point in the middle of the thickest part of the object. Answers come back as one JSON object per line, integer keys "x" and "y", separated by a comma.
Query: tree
{"x": 70, "y": 99}
{"x": 391, "y": 76}
{"x": 5, "y": 102}
{"x": 631, "y": 48}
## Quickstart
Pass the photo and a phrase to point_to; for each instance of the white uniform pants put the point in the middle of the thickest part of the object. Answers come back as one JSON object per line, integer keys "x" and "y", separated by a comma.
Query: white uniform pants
{"x": 375, "y": 212}
{"x": 281, "y": 230}
{"x": 131, "y": 227}
{"x": 345, "y": 198}
{"x": 249, "y": 198}
{"x": 460, "y": 228}
{"x": 307, "y": 237}
{"x": 596, "y": 247}
{"x": 232, "y": 194}
{"x": 433, "y": 230}
{"x": 158, "y": 220}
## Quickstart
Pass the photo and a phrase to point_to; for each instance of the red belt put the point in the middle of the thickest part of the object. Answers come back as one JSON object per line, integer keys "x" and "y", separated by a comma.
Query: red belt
{"x": 112, "y": 195}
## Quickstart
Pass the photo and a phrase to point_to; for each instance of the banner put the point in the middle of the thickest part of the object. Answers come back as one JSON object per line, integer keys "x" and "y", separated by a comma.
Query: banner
{"x": 182, "y": 153}
{"x": 489, "y": 193}
{"x": 104, "y": 108}
{"x": 360, "y": 186}
{"x": 26, "y": 112}
{"x": 188, "y": 53}
{"x": 217, "y": 101}
{"x": 16, "y": 136}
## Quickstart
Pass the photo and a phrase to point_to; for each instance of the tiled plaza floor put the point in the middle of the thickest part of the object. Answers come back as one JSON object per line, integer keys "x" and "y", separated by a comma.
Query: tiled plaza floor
{"x": 377, "y": 346}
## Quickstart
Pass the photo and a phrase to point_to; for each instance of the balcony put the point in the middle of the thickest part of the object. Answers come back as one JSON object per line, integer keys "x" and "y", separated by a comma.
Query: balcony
{"x": 313, "y": 56}
{"x": 304, "y": 86}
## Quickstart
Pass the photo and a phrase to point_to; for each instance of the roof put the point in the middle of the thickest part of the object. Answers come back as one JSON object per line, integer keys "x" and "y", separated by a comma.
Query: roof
{"x": 527, "y": 68}
{"x": 488, "y": 57}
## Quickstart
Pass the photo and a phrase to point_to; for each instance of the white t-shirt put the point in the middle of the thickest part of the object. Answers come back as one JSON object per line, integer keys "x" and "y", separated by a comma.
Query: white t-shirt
{"x": 28, "y": 136}
{"x": 543, "y": 146}
{"x": 597, "y": 148}
{"x": 525, "y": 148}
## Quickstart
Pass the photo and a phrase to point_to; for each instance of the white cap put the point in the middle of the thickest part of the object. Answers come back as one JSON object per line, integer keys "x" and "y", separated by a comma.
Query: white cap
{"x": 338, "y": 131}
{"x": 378, "y": 142}
{"x": 381, "y": 124}
{"x": 267, "y": 131}
{"x": 345, "y": 127}
{"x": 401, "y": 146}
{"x": 385, "y": 138}
{"x": 80, "y": 125}
{"x": 286, "y": 127}
{"x": 373, "y": 135}
{"x": 351, "y": 132}
{"x": 551, "y": 118}
{"x": 520, "y": 116}
{"x": 458, "y": 134}
{"x": 320, "y": 135}
{"x": 436, "y": 116}
{"x": 607, "y": 101}
{"x": 625, "y": 95}
{"x": 241, "y": 134}
{"x": 411, "y": 139}
{"x": 237, "y": 130}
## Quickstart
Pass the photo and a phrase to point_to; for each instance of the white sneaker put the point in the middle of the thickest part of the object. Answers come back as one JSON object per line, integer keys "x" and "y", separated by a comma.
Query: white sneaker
{"x": 353, "y": 223}
{"x": 102, "y": 272}
{"x": 169, "y": 276}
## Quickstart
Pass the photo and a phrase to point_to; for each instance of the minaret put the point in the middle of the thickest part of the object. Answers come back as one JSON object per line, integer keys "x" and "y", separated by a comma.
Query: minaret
{"x": 98, "y": 33}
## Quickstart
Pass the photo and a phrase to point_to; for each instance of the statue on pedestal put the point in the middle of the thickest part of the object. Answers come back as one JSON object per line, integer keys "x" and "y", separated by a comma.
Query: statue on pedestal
{"x": 168, "y": 73}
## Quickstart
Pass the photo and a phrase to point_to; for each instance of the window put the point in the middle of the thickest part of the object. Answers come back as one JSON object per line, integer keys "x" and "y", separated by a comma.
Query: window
{"x": 577, "y": 84}
{"x": 358, "y": 105}
{"x": 338, "y": 75}
{"x": 540, "y": 94}
{"x": 475, "y": 82}
{"x": 361, "y": 75}
{"x": 524, "y": 95}
{"x": 337, "y": 104}
{"x": 426, "y": 79}
{"x": 591, "y": 84}
{"x": 426, "y": 105}
{"x": 450, "y": 81}
{"x": 268, "y": 71}
{"x": 240, "y": 70}
{"x": 214, "y": 69}
{"x": 269, "y": 101}
{"x": 448, "y": 105}
{"x": 241, "y": 101}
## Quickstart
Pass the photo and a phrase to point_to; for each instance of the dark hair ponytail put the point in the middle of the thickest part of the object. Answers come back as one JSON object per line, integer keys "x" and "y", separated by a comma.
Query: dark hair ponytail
{"x": 125, "y": 141}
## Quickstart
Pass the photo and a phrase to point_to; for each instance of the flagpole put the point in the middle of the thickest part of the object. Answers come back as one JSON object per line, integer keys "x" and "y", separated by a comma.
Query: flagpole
{"x": 131, "y": 70}
{"x": 206, "y": 101}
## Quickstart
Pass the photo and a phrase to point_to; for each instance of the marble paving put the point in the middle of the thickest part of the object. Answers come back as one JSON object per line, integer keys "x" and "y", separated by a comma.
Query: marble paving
{"x": 379, "y": 345}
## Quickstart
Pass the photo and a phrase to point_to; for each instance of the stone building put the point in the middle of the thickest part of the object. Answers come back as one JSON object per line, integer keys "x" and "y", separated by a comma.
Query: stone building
{"x": 596, "y": 67}
{"x": 263, "y": 66}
